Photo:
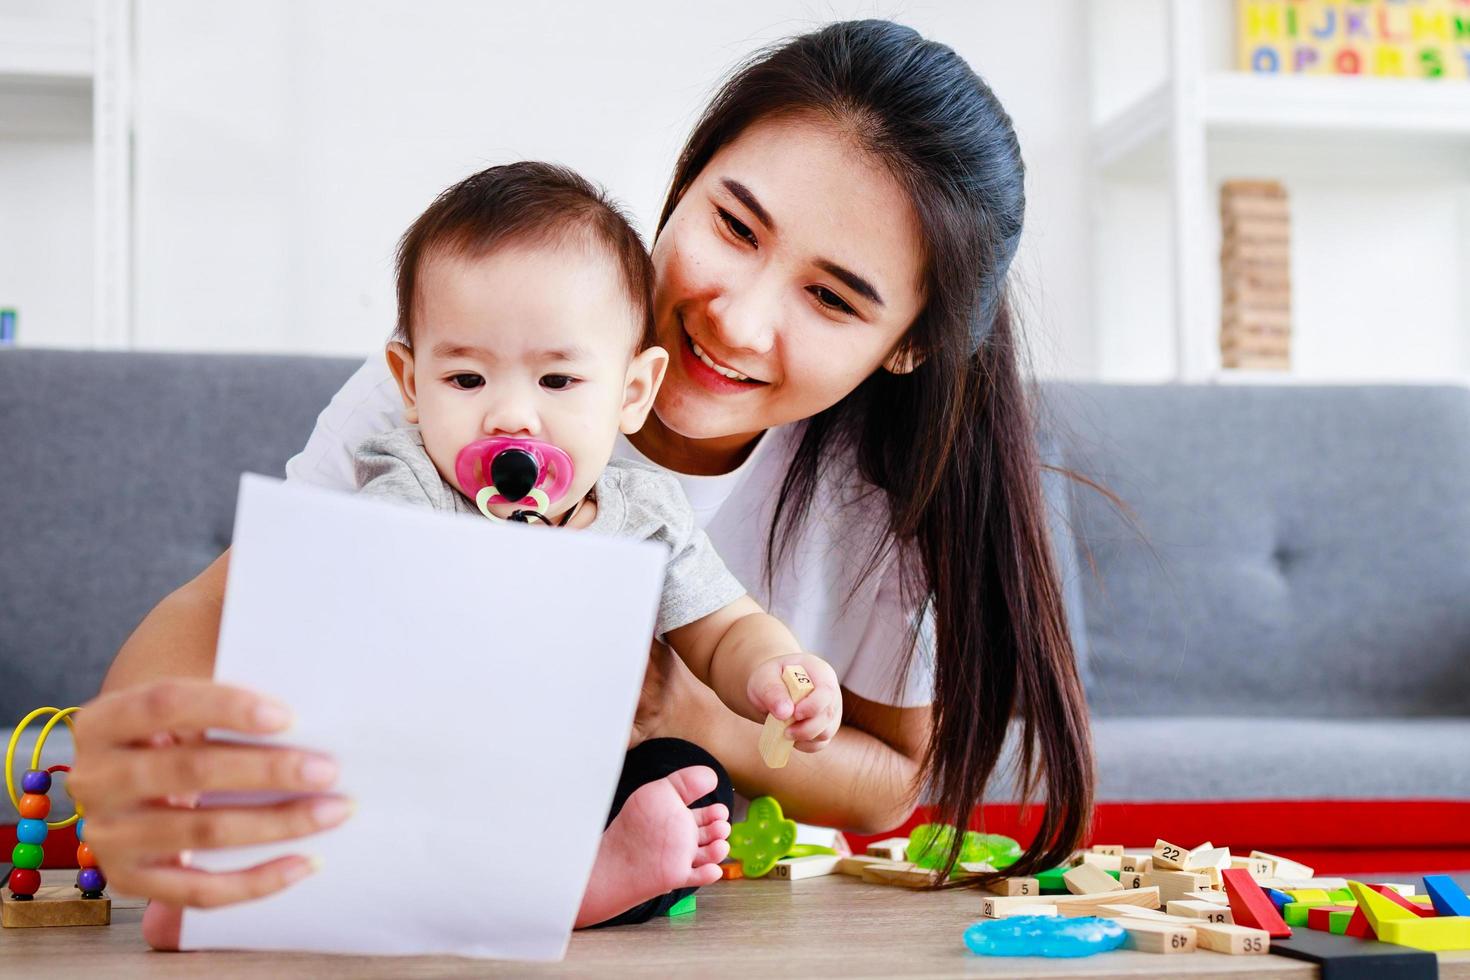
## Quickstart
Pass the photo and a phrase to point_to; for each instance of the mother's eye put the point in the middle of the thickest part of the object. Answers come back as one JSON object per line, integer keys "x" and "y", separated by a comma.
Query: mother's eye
{"x": 737, "y": 227}
{"x": 831, "y": 300}
{"x": 466, "y": 382}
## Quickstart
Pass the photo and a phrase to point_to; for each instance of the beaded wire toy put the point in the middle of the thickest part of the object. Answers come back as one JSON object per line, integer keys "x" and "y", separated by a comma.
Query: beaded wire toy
{"x": 34, "y": 805}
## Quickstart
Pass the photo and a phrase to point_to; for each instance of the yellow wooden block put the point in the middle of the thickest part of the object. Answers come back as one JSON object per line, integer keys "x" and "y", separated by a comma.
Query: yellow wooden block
{"x": 1310, "y": 896}
{"x": 1439, "y": 935}
{"x": 1379, "y": 910}
{"x": 1088, "y": 879}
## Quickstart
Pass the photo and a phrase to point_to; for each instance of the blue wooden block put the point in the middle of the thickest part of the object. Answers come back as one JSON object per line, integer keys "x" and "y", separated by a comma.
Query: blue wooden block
{"x": 1278, "y": 898}
{"x": 1448, "y": 897}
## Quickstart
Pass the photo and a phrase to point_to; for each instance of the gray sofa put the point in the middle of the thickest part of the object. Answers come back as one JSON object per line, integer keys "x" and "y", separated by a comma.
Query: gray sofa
{"x": 1287, "y": 618}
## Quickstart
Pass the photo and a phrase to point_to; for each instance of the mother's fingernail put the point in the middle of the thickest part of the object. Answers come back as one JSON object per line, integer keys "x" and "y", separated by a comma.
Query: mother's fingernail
{"x": 318, "y": 771}
{"x": 330, "y": 812}
{"x": 271, "y": 716}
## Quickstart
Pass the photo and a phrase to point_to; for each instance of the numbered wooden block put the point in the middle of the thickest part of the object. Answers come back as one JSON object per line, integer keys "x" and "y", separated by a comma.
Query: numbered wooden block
{"x": 1191, "y": 908}
{"x": 1016, "y": 886}
{"x": 853, "y": 864}
{"x": 1285, "y": 867}
{"x": 1107, "y": 862}
{"x": 1136, "y": 861}
{"x": 814, "y": 866}
{"x": 1210, "y": 857}
{"x": 775, "y": 747}
{"x": 1088, "y": 879}
{"x": 1114, "y": 849}
{"x": 892, "y": 849}
{"x": 1258, "y": 868}
{"x": 1170, "y": 857}
{"x": 1152, "y": 936}
{"x": 1232, "y": 940}
{"x": 1217, "y": 898}
{"x": 1038, "y": 909}
{"x": 1131, "y": 879}
{"x": 1174, "y": 885}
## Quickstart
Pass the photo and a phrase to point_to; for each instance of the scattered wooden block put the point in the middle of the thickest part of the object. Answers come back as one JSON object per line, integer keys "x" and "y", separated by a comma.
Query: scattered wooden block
{"x": 1285, "y": 867}
{"x": 1134, "y": 861}
{"x": 775, "y": 747}
{"x": 1232, "y": 939}
{"x": 1174, "y": 885}
{"x": 1089, "y": 879}
{"x": 1448, "y": 897}
{"x": 1169, "y": 857}
{"x": 1114, "y": 849}
{"x": 1038, "y": 909}
{"x": 1219, "y": 898}
{"x": 898, "y": 873}
{"x": 1132, "y": 879}
{"x": 1213, "y": 857}
{"x": 1258, "y": 868}
{"x": 1250, "y": 905}
{"x": 853, "y": 864}
{"x": 1191, "y": 908}
{"x": 1105, "y": 862}
{"x": 892, "y": 849}
{"x": 1152, "y": 936}
{"x": 815, "y": 866}
{"x": 1074, "y": 905}
{"x": 54, "y": 905}
{"x": 1016, "y": 886}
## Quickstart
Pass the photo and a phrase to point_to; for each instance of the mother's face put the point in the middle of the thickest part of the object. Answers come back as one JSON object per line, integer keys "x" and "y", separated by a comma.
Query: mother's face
{"x": 793, "y": 264}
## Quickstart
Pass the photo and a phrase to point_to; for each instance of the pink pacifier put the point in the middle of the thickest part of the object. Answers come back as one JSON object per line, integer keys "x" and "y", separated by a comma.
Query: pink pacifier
{"x": 512, "y": 470}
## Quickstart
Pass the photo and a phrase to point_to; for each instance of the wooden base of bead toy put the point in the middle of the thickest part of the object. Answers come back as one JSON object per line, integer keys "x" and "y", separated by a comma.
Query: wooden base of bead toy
{"x": 54, "y": 905}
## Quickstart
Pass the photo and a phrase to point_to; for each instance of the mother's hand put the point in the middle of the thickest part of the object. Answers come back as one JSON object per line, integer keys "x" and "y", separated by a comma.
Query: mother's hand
{"x": 141, "y": 762}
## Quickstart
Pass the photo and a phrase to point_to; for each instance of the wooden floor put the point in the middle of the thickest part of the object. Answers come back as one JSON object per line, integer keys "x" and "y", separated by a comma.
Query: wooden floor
{"x": 820, "y": 927}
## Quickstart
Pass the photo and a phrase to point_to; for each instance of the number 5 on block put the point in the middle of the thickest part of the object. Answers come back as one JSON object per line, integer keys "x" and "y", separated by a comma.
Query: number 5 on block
{"x": 774, "y": 745}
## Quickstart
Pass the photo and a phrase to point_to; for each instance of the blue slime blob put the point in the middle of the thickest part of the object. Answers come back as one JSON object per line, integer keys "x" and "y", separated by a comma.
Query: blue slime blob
{"x": 1044, "y": 935}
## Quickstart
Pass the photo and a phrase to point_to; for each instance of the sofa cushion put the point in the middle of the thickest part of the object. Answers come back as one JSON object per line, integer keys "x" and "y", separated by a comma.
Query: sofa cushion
{"x": 1304, "y": 551}
{"x": 119, "y": 473}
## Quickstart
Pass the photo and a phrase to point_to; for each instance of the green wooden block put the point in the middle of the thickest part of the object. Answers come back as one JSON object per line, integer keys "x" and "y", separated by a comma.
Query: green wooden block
{"x": 1337, "y": 922}
{"x": 1117, "y": 875}
{"x": 1341, "y": 896}
{"x": 1051, "y": 883}
{"x": 683, "y": 906}
{"x": 1295, "y": 913}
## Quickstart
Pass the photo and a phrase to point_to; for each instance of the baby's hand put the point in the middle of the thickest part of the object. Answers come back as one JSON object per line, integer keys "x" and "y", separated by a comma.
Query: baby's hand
{"x": 816, "y": 717}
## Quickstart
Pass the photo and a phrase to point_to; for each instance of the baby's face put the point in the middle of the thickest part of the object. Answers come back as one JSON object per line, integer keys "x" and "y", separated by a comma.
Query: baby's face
{"x": 532, "y": 341}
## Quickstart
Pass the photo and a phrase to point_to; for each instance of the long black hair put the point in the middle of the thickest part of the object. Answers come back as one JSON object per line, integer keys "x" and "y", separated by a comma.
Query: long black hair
{"x": 951, "y": 444}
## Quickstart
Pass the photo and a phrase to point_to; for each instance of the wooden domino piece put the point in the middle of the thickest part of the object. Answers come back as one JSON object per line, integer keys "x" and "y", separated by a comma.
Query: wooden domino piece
{"x": 1132, "y": 879}
{"x": 775, "y": 747}
{"x": 853, "y": 864}
{"x": 1015, "y": 886}
{"x": 1191, "y": 908}
{"x": 1285, "y": 867}
{"x": 1172, "y": 857}
{"x": 813, "y": 866}
{"x": 1038, "y": 909}
{"x": 1153, "y": 936}
{"x": 1114, "y": 849}
{"x": 1218, "y": 898}
{"x": 1106, "y": 862}
{"x": 1173, "y": 885}
{"x": 1089, "y": 879}
{"x": 1212, "y": 857}
{"x": 892, "y": 849}
{"x": 1074, "y": 905}
{"x": 1136, "y": 861}
{"x": 1259, "y": 868}
{"x": 1233, "y": 940}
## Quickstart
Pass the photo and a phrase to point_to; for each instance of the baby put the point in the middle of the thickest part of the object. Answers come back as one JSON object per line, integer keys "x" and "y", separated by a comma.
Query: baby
{"x": 524, "y": 345}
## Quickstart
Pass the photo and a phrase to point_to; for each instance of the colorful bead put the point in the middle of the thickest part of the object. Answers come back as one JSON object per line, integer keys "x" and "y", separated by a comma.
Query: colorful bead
{"x": 85, "y": 857}
{"x": 24, "y": 882}
{"x": 36, "y": 781}
{"x": 34, "y": 806}
{"x": 91, "y": 882}
{"x": 82, "y": 829}
{"x": 30, "y": 831}
{"x": 26, "y": 855}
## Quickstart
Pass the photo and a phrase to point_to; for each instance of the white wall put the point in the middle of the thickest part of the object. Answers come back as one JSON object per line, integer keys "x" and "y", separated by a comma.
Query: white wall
{"x": 283, "y": 146}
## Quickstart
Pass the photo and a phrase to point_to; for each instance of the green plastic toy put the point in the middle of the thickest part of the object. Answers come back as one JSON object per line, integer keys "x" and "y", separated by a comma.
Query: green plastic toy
{"x": 683, "y": 906}
{"x": 764, "y": 837}
{"x": 929, "y": 845}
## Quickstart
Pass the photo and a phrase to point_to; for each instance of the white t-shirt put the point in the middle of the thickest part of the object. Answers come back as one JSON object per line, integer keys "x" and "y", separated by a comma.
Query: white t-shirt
{"x": 864, "y": 637}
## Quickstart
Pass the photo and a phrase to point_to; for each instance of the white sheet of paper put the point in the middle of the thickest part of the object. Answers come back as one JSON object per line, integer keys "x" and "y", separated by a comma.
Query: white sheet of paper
{"x": 476, "y": 683}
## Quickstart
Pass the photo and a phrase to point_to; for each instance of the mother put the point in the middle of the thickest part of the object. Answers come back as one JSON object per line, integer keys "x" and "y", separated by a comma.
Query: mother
{"x": 844, "y": 408}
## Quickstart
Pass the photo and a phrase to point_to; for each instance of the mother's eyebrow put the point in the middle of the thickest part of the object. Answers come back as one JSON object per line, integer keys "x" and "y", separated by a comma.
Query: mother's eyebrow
{"x": 745, "y": 197}
{"x": 854, "y": 281}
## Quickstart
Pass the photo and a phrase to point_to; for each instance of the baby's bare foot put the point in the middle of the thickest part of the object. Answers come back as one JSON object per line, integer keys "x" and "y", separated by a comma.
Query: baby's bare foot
{"x": 657, "y": 844}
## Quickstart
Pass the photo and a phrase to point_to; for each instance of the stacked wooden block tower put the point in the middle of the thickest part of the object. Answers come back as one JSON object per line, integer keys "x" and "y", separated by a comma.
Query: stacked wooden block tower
{"x": 1255, "y": 276}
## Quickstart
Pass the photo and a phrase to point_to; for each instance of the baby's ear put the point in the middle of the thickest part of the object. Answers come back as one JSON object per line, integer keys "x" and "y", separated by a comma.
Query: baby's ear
{"x": 400, "y": 362}
{"x": 645, "y": 374}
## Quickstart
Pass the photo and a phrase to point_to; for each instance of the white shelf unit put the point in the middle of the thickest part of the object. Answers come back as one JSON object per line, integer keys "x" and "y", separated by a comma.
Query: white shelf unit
{"x": 66, "y": 95}
{"x": 1187, "y": 120}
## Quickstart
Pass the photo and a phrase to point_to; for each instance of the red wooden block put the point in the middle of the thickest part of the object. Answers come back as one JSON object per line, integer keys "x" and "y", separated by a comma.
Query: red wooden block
{"x": 1250, "y": 906}
{"x": 1359, "y": 926}
{"x": 1423, "y": 911}
{"x": 1320, "y": 916}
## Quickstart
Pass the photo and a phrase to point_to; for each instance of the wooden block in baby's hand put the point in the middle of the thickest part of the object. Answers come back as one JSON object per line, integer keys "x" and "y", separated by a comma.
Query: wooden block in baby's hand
{"x": 775, "y": 747}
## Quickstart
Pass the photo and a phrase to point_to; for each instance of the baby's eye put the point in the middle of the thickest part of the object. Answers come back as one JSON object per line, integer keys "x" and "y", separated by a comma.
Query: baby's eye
{"x": 558, "y": 382}
{"x": 466, "y": 382}
{"x": 737, "y": 227}
{"x": 831, "y": 300}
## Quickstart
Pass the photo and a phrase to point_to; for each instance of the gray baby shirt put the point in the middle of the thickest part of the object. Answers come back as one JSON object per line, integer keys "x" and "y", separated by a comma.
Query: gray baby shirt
{"x": 634, "y": 500}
